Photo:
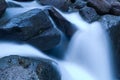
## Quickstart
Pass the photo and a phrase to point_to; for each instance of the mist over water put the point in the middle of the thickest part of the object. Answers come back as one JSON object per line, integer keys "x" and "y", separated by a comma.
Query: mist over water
{"x": 88, "y": 53}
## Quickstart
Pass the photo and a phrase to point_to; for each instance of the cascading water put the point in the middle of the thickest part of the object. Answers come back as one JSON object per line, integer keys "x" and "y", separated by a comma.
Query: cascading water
{"x": 88, "y": 54}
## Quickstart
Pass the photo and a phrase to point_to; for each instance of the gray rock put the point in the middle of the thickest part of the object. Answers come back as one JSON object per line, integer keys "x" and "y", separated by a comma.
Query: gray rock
{"x": 33, "y": 27}
{"x": 89, "y": 14}
{"x": 3, "y": 6}
{"x": 23, "y": 68}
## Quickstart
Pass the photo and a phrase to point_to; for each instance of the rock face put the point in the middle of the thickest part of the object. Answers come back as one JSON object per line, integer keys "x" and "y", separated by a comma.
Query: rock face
{"x": 60, "y": 4}
{"x": 112, "y": 24}
{"x": 33, "y": 27}
{"x": 22, "y": 68}
{"x": 101, "y": 6}
{"x": 3, "y": 7}
{"x": 89, "y": 14}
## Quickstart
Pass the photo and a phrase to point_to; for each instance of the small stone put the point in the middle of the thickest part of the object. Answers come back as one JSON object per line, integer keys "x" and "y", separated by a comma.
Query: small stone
{"x": 89, "y": 14}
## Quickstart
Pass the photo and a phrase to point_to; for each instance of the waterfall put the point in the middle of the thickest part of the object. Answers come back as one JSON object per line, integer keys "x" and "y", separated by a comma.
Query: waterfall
{"x": 88, "y": 56}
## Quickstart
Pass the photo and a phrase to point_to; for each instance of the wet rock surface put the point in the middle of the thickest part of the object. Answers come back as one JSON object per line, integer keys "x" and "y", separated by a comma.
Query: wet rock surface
{"x": 34, "y": 27}
{"x": 3, "y": 6}
{"x": 22, "y": 68}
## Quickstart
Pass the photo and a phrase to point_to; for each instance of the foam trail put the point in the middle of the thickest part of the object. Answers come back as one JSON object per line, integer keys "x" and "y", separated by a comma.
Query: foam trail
{"x": 68, "y": 70}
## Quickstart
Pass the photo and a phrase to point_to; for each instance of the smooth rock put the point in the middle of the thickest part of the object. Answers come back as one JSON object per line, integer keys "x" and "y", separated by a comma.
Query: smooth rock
{"x": 101, "y": 6}
{"x": 60, "y": 4}
{"x": 33, "y": 27}
{"x": 3, "y": 6}
{"x": 89, "y": 14}
{"x": 23, "y": 68}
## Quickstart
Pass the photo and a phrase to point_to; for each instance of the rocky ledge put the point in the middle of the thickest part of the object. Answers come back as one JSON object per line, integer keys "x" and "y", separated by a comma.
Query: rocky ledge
{"x": 23, "y": 68}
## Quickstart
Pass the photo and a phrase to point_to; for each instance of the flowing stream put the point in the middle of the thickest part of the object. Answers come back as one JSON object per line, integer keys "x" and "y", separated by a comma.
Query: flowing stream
{"x": 88, "y": 56}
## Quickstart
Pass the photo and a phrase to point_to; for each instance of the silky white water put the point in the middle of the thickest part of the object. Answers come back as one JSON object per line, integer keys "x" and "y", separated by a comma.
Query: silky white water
{"x": 88, "y": 54}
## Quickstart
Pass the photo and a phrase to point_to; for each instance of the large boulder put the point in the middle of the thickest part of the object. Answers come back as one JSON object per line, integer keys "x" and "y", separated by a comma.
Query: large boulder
{"x": 33, "y": 27}
{"x": 23, "y": 68}
{"x": 3, "y": 6}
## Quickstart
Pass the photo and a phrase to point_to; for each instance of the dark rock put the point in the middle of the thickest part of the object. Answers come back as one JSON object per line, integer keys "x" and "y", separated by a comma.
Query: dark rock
{"x": 89, "y": 14}
{"x": 12, "y": 4}
{"x": 3, "y": 6}
{"x": 115, "y": 9}
{"x": 23, "y": 0}
{"x": 77, "y": 5}
{"x": 60, "y": 4}
{"x": 23, "y": 68}
{"x": 33, "y": 27}
{"x": 101, "y": 6}
{"x": 65, "y": 26}
{"x": 112, "y": 25}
